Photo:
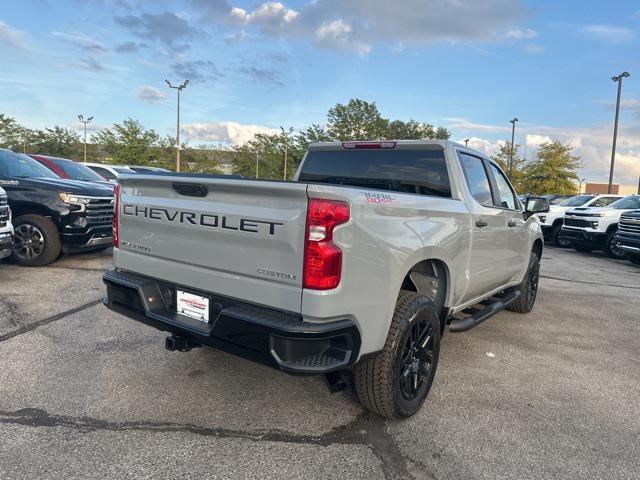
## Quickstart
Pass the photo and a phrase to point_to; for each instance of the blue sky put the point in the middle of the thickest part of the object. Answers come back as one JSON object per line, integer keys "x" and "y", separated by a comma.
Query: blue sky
{"x": 253, "y": 66}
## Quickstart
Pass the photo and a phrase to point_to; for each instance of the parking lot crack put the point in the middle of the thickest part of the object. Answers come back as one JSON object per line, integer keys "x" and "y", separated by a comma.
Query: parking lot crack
{"x": 39, "y": 323}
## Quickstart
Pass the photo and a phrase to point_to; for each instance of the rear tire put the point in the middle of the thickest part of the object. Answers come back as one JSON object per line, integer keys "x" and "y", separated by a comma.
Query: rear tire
{"x": 528, "y": 288}
{"x": 557, "y": 240}
{"x": 36, "y": 242}
{"x": 582, "y": 248}
{"x": 612, "y": 250}
{"x": 396, "y": 382}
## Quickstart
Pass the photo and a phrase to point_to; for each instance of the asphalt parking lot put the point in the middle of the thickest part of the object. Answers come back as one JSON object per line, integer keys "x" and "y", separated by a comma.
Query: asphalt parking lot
{"x": 86, "y": 393}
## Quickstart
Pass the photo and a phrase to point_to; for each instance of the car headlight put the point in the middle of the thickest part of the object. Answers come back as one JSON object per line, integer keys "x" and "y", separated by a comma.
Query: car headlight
{"x": 73, "y": 199}
{"x": 543, "y": 218}
{"x": 594, "y": 224}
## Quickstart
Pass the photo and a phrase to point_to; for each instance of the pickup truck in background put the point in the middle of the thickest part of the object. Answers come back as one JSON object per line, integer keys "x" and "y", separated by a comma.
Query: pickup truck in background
{"x": 628, "y": 237}
{"x": 52, "y": 215}
{"x": 353, "y": 270}
{"x": 590, "y": 228}
{"x": 551, "y": 222}
{"x": 6, "y": 228}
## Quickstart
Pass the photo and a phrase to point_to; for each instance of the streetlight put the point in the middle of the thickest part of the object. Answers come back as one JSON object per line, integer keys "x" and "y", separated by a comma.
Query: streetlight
{"x": 513, "y": 135}
{"x": 466, "y": 142}
{"x": 617, "y": 79}
{"x": 88, "y": 120}
{"x": 286, "y": 147}
{"x": 179, "y": 88}
{"x": 580, "y": 186}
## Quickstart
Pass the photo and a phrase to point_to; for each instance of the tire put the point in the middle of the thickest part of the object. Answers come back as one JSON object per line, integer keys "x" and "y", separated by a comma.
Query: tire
{"x": 528, "y": 288}
{"x": 557, "y": 240}
{"x": 612, "y": 250}
{"x": 36, "y": 241}
{"x": 395, "y": 383}
{"x": 635, "y": 259}
{"x": 582, "y": 248}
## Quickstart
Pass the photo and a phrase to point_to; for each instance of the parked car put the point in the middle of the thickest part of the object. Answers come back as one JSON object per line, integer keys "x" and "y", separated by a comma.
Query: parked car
{"x": 551, "y": 222}
{"x": 147, "y": 169}
{"x": 51, "y": 214}
{"x": 628, "y": 237}
{"x": 6, "y": 227}
{"x": 591, "y": 228}
{"x": 70, "y": 169}
{"x": 353, "y": 270}
{"x": 109, "y": 172}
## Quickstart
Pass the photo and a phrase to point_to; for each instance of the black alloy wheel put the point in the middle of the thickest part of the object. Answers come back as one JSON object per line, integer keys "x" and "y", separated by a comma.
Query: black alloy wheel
{"x": 28, "y": 242}
{"x": 416, "y": 361}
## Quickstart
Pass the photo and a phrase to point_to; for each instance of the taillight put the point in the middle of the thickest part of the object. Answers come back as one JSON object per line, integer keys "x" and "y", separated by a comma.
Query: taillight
{"x": 322, "y": 258}
{"x": 114, "y": 224}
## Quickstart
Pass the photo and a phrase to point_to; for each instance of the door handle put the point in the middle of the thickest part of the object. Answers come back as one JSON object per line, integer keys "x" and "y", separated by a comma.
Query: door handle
{"x": 512, "y": 223}
{"x": 481, "y": 223}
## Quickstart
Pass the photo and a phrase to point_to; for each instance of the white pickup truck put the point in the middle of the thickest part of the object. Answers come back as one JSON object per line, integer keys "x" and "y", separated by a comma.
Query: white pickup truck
{"x": 353, "y": 270}
{"x": 551, "y": 222}
{"x": 591, "y": 228}
{"x": 6, "y": 228}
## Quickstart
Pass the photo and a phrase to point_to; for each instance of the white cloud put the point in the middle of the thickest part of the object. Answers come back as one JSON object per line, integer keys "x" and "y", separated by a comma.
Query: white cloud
{"x": 464, "y": 124}
{"x": 521, "y": 34}
{"x": 483, "y": 145}
{"x": 609, "y": 33}
{"x": 534, "y": 48}
{"x": 151, "y": 95}
{"x": 12, "y": 36}
{"x": 229, "y": 132}
{"x": 82, "y": 40}
{"x": 536, "y": 140}
{"x": 358, "y": 25}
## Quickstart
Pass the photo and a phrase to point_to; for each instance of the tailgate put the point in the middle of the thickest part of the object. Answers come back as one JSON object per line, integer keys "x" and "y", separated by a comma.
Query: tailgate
{"x": 239, "y": 238}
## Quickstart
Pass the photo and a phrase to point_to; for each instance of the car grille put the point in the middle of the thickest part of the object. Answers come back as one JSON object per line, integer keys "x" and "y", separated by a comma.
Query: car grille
{"x": 4, "y": 211}
{"x": 576, "y": 222}
{"x": 100, "y": 211}
{"x": 629, "y": 224}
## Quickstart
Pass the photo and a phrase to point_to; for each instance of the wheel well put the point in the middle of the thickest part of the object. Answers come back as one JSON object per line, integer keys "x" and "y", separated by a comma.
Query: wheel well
{"x": 537, "y": 247}
{"x": 557, "y": 221}
{"x": 420, "y": 277}
{"x": 20, "y": 210}
{"x": 612, "y": 228}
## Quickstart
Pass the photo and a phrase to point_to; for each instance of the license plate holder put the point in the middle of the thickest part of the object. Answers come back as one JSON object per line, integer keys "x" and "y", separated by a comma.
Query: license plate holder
{"x": 192, "y": 305}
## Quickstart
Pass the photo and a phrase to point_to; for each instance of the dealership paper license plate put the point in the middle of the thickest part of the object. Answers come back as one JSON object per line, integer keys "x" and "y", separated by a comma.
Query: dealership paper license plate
{"x": 193, "y": 306}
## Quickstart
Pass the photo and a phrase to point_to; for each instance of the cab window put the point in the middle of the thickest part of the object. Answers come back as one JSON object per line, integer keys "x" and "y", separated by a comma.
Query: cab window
{"x": 477, "y": 179}
{"x": 506, "y": 197}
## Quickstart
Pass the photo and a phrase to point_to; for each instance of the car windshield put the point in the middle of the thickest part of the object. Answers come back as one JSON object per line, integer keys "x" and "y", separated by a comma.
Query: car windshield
{"x": 77, "y": 171}
{"x": 627, "y": 203}
{"x": 576, "y": 201}
{"x": 21, "y": 166}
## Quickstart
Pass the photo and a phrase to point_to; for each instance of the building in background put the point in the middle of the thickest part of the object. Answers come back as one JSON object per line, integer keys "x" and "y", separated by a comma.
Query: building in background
{"x": 601, "y": 188}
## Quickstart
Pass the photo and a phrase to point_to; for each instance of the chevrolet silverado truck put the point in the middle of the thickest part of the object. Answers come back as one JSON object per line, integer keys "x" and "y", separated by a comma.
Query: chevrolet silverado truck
{"x": 628, "y": 237}
{"x": 6, "y": 228}
{"x": 52, "y": 215}
{"x": 590, "y": 228}
{"x": 551, "y": 222}
{"x": 353, "y": 270}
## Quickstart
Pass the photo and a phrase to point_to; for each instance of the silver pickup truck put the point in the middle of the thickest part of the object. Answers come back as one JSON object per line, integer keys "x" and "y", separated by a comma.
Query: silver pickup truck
{"x": 353, "y": 270}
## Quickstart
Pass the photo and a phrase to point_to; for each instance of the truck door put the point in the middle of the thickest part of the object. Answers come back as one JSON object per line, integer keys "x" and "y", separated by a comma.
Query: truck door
{"x": 488, "y": 230}
{"x": 517, "y": 250}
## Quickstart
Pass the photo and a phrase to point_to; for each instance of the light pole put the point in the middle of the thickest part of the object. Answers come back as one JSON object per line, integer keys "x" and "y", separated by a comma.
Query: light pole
{"x": 286, "y": 147}
{"x": 179, "y": 88}
{"x": 88, "y": 120}
{"x": 466, "y": 142}
{"x": 580, "y": 186}
{"x": 513, "y": 136}
{"x": 257, "y": 159}
{"x": 617, "y": 79}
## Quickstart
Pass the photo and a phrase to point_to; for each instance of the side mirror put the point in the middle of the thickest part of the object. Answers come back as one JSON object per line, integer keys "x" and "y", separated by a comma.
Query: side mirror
{"x": 535, "y": 205}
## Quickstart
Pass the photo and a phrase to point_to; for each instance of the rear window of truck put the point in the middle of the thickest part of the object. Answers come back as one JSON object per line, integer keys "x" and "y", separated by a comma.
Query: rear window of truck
{"x": 422, "y": 172}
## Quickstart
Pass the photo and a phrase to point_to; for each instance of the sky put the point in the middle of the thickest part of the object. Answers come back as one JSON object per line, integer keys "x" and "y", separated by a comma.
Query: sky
{"x": 469, "y": 65}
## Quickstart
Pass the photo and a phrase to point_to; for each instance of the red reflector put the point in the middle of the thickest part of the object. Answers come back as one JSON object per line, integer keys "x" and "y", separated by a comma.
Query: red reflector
{"x": 114, "y": 225}
{"x": 368, "y": 145}
{"x": 322, "y": 258}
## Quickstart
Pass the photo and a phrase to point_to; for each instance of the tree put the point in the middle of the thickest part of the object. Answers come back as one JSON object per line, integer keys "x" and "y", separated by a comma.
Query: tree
{"x": 502, "y": 156}
{"x": 314, "y": 133}
{"x": 129, "y": 143}
{"x": 12, "y": 134}
{"x": 269, "y": 150}
{"x": 57, "y": 142}
{"x": 554, "y": 170}
{"x": 414, "y": 130}
{"x": 357, "y": 120}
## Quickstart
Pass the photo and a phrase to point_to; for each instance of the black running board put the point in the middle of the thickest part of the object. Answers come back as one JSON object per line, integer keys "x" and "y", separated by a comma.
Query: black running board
{"x": 476, "y": 316}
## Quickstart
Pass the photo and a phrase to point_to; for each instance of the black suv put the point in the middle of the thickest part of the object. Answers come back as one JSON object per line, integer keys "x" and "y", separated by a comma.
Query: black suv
{"x": 52, "y": 215}
{"x": 628, "y": 235}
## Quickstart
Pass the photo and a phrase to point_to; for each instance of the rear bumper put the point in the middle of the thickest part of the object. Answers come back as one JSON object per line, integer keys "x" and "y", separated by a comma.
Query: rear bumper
{"x": 583, "y": 237}
{"x": 6, "y": 243}
{"x": 278, "y": 339}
